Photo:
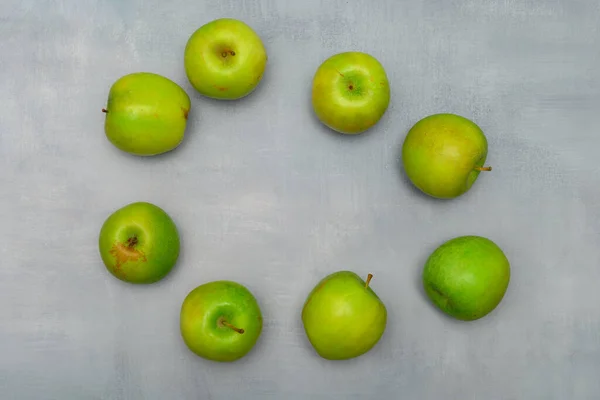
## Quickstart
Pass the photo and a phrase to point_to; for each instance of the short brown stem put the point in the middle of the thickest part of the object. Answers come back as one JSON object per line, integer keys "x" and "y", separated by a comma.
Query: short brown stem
{"x": 483, "y": 168}
{"x": 369, "y": 277}
{"x": 104, "y": 110}
{"x": 227, "y": 324}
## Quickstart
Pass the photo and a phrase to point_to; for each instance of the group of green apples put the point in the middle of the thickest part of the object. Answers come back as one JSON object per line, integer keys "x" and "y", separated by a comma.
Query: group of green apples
{"x": 443, "y": 154}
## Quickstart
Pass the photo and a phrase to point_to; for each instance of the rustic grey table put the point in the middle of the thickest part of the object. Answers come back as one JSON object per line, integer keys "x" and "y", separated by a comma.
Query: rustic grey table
{"x": 265, "y": 195}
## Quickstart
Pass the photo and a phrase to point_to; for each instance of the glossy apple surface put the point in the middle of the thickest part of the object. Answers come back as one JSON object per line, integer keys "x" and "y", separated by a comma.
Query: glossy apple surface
{"x": 146, "y": 114}
{"x": 443, "y": 155}
{"x": 467, "y": 277}
{"x": 220, "y": 321}
{"x": 139, "y": 243}
{"x": 350, "y": 92}
{"x": 343, "y": 317}
{"x": 225, "y": 59}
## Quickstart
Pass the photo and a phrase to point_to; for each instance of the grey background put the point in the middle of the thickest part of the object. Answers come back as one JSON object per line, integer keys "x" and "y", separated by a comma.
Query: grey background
{"x": 265, "y": 195}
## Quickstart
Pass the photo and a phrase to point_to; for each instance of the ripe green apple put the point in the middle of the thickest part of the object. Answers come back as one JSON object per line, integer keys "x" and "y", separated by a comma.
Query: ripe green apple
{"x": 466, "y": 277}
{"x": 343, "y": 317}
{"x": 139, "y": 243}
{"x": 225, "y": 59}
{"x": 443, "y": 155}
{"x": 220, "y": 321}
{"x": 146, "y": 114}
{"x": 350, "y": 92}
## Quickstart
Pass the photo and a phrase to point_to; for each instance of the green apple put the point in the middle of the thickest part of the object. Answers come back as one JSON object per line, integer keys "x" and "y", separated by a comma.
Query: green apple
{"x": 225, "y": 59}
{"x": 343, "y": 317}
{"x": 139, "y": 243}
{"x": 350, "y": 92}
{"x": 466, "y": 277}
{"x": 220, "y": 321}
{"x": 443, "y": 155}
{"x": 146, "y": 114}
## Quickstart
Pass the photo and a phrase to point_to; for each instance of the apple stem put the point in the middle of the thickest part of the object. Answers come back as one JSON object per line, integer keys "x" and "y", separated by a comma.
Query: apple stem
{"x": 104, "y": 110}
{"x": 131, "y": 242}
{"x": 369, "y": 277}
{"x": 227, "y": 324}
{"x": 483, "y": 168}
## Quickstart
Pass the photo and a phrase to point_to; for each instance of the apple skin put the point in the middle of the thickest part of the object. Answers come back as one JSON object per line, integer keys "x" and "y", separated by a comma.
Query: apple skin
{"x": 342, "y": 318}
{"x": 225, "y": 59}
{"x": 146, "y": 114}
{"x": 206, "y": 307}
{"x": 350, "y": 92}
{"x": 441, "y": 152}
{"x": 467, "y": 277}
{"x": 139, "y": 243}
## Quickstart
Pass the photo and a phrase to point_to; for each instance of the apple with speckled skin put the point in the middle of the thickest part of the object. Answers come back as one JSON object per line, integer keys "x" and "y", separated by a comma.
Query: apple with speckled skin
{"x": 443, "y": 155}
{"x": 220, "y": 321}
{"x": 467, "y": 277}
{"x": 225, "y": 59}
{"x": 139, "y": 243}
{"x": 343, "y": 317}
{"x": 146, "y": 114}
{"x": 350, "y": 92}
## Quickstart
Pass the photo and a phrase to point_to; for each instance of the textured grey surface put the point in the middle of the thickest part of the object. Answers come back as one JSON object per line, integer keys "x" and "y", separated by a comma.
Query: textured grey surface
{"x": 266, "y": 196}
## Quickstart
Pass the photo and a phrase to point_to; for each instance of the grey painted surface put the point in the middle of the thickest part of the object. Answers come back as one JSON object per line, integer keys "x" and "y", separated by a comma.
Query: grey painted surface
{"x": 264, "y": 195}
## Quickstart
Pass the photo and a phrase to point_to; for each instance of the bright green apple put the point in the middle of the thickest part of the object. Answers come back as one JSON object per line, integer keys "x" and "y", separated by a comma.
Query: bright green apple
{"x": 225, "y": 59}
{"x": 343, "y": 317}
{"x": 139, "y": 243}
{"x": 350, "y": 92}
{"x": 467, "y": 277}
{"x": 220, "y": 321}
{"x": 443, "y": 155}
{"x": 146, "y": 114}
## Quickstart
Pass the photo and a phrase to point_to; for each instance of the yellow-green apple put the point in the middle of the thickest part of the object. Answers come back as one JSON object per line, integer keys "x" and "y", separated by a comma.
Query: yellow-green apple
{"x": 443, "y": 155}
{"x": 350, "y": 92}
{"x": 220, "y": 321}
{"x": 225, "y": 59}
{"x": 139, "y": 243}
{"x": 467, "y": 277}
{"x": 343, "y": 317}
{"x": 146, "y": 114}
